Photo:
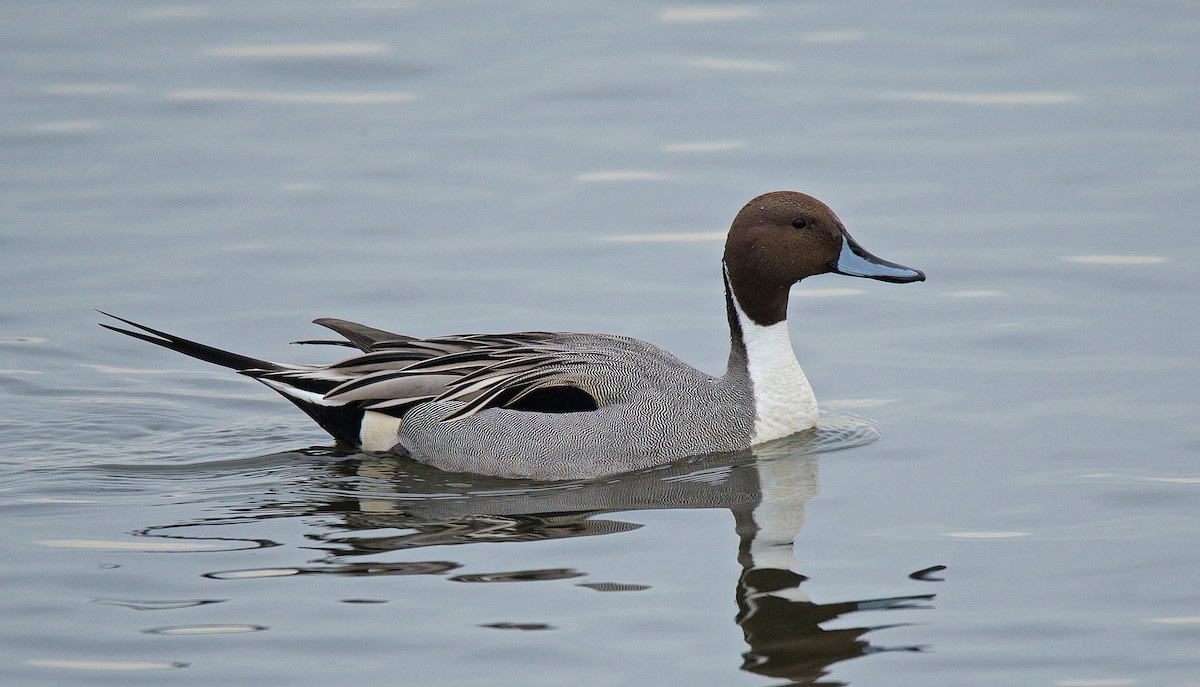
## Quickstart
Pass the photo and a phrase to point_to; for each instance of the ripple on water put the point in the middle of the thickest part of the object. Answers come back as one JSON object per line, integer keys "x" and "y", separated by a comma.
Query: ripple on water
{"x": 543, "y": 575}
{"x": 158, "y": 605}
{"x": 841, "y": 431}
{"x": 291, "y": 97}
{"x": 148, "y": 547}
{"x": 298, "y": 50}
{"x": 614, "y": 586}
{"x": 80, "y": 664}
{"x": 349, "y": 569}
{"x": 205, "y": 629}
{"x": 518, "y": 626}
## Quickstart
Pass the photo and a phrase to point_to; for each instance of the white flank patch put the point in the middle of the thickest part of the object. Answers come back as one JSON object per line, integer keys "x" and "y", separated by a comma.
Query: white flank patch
{"x": 380, "y": 432}
{"x": 784, "y": 402}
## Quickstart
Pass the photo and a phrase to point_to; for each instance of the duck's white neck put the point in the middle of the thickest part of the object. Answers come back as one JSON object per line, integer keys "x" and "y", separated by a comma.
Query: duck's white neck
{"x": 784, "y": 402}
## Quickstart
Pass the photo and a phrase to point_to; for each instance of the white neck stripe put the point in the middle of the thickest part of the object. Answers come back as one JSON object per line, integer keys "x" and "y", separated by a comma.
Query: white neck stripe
{"x": 784, "y": 402}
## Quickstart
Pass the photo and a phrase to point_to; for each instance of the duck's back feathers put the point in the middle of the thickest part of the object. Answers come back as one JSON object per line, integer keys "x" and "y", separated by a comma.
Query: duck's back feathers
{"x": 530, "y": 371}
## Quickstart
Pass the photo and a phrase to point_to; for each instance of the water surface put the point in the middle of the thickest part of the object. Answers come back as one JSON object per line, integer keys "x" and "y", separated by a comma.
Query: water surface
{"x": 228, "y": 171}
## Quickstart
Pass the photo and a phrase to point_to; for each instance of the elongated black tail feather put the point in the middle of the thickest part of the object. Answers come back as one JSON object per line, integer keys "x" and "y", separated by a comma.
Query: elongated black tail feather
{"x": 208, "y": 354}
{"x": 342, "y": 421}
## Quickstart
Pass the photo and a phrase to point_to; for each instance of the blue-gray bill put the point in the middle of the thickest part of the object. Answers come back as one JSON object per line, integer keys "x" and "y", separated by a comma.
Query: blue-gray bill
{"x": 855, "y": 261}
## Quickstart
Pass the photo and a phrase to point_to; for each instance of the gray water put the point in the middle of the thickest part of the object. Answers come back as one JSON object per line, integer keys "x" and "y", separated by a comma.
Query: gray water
{"x": 1004, "y": 489}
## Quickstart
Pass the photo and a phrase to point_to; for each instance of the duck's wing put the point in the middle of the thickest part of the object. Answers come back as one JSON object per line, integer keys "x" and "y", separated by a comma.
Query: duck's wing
{"x": 536, "y": 371}
{"x": 369, "y": 339}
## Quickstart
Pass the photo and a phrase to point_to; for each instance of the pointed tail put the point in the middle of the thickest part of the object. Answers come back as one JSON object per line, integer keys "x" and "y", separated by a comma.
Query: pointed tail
{"x": 343, "y": 421}
{"x": 208, "y": 354}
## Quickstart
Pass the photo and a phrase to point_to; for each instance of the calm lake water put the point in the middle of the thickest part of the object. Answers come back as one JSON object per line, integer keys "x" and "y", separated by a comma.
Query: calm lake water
{"x": 1005, "y": 489}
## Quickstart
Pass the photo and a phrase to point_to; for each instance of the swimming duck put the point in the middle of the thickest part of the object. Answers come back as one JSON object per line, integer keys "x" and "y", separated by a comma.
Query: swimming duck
{"x": 552, "y": 406}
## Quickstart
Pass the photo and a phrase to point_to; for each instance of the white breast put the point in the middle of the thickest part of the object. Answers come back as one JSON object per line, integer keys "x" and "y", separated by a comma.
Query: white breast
{"x": 783, "y": 399}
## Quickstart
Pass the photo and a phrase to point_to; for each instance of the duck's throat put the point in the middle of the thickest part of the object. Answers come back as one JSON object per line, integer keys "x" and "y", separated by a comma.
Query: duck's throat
{"x": 783, "y": 399}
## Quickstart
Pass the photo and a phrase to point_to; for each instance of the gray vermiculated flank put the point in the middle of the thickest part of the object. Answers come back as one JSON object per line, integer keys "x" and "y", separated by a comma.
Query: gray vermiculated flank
{"x": 653, "y": 407}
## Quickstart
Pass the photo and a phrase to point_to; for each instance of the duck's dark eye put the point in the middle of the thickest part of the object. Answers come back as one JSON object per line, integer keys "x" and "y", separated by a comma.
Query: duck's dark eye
{"x": 799, "y": 223}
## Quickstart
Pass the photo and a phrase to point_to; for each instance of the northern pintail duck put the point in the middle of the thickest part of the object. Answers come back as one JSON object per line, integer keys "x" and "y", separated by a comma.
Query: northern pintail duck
{"x": 552, "y": 406}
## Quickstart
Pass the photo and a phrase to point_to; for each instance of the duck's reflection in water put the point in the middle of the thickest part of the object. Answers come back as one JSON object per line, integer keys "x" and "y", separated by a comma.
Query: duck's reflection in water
{"x": 382, "y": 504}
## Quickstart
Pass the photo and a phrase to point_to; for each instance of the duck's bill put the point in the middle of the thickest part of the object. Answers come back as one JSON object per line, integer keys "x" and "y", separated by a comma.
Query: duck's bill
{"x": 855, "y": 261}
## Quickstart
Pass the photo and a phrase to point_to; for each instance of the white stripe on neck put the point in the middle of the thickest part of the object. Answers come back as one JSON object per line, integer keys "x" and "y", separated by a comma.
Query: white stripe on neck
{"x": 784, "y": 402}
